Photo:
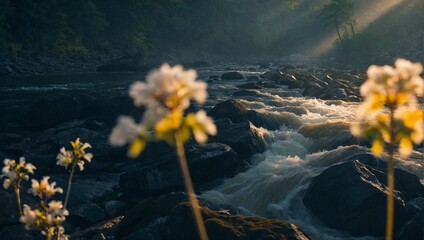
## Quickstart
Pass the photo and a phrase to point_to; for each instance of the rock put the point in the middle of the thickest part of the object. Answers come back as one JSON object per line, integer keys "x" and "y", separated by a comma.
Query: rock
{"x": 232, "y": 76}
{"x": 273, "y": 75}
{"x": 246, "y": 92}
{"x": 5, "y": 70}
{"x": 249, "y": 86}
{"x": 328, "y": 135}
{"x": 147, "y": 211}
{"x": 113, "y": 208}
{"x": 269, "y": 120}
{"x": 230, "y": 109}
{"x": 15, "y": 232}
{"x": 9, "y": 213}
{"x": 86, "y": 215}
{"x": 352, "y": 197}
{"x": 413, "y": 229}
{"x": 52, "y": 110}
{"x": 207, "y": 163}
{"x": 180, "y": 225}
{"x": 133, "y": 63}
{"x": 414, "y": 206}
{"x": 200, "y": 64}
{"x": 252, "y": 77}
{"x": 243, "y": 137}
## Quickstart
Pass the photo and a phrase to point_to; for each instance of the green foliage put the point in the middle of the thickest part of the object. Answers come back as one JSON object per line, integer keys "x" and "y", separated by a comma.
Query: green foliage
{"x": 339, "y": 13}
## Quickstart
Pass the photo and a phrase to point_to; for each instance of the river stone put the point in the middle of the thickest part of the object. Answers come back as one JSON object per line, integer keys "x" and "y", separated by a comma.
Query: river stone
{"x": 269, "y": 120}
{"x": 219, "y": 225}
{"x": 352, "y": 197}
{"x": 243, "y": 137}
{"x": 230, "y": 109}
{"x": 208, "y": 163}
{"x": 232, "y": 76}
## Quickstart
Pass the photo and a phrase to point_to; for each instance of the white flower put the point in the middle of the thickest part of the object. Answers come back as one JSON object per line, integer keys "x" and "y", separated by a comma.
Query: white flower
{"x": 171, "y": 87}
{"x": 43, "y": 188}
{"x": 29, "y": 217}
{"x": 15, "y": 172}
{"x": 64, "y": 158}
{"x": 124, "y": 132}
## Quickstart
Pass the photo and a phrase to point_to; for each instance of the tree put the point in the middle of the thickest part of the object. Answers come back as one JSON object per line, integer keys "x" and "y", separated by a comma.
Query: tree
{"x": 339, "y": 13}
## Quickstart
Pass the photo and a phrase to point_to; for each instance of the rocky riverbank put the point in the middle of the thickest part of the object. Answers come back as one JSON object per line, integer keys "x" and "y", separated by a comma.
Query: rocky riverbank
{"x": 264, "y": 115}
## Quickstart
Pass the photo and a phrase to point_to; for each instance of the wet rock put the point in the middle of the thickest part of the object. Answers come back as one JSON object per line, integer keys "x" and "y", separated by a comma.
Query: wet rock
{"x": 86, "y": 215}
{"x": 249, "y": 86}
{"x": 244, "y": 93}
{"x": 252, "y": 77}
{"x": 352, "y": 197}
{"x": 147, "y": 211}
{"x": 230, "y": 109}
{"x": 243, "y": 137}
{"x": 15, "y": 232}
{"x": 113, "y": 208}
{"x": 180, "y": 225}
{"x": 413, "y": 229}
{"x": 52, "y": 110}
{"x": 269, "y": 120}
{"x": 232, "y": 76}
{"x": 328, "y": 135}
{"x": 207, "y": 163}
{"x": 273, "y": 75}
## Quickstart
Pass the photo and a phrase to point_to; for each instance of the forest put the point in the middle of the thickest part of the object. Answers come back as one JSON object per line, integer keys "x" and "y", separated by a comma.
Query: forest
{"x": 271, "y": 28}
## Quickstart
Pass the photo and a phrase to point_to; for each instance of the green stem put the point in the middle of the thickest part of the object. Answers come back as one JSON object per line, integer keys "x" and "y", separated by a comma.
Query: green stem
{"x": 18, "y": 197}
{"x": 69, "y": 185}
{"x": 189, "y": 187}
{"x": 390, "y": 180}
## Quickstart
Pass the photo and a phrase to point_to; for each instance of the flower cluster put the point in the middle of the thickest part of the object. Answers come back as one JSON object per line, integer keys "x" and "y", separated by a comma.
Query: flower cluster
{"x": 16, "y": 172}
{"x": 390, "y": 111}
{"x": 76, "y": 156}
{"x": 166, "y": 94}
{"x": 43, "y": 189}
{"x": 48, "y": 221}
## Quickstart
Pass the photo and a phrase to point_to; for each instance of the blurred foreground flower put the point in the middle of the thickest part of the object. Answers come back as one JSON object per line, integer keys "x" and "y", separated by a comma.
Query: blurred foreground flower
{"x": 390, "y": 114}
{"x": 166, "y": 93}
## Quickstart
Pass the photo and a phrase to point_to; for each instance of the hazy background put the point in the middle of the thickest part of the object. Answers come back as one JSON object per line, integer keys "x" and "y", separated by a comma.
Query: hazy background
{"x": 384, "y": 29}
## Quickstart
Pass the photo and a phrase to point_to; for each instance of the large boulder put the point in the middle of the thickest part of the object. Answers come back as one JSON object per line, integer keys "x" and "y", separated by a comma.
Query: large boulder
{"x": 52, "y": 110}
{"x": 352, "y": 196}
{"x": 207, "y": 163}
{"x": 231, "y": 109}
{"x": 221, "y": 225}
{"x": 243, "y": 137}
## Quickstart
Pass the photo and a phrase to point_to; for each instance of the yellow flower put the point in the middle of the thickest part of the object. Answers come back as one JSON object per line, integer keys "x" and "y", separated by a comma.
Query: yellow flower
{"x": 77, "y": 156}
{"x": 201, "y": 125}
{"x": 167, "y": 127}
{"x": 43, "y": 189}
{"x": 391, "y": 95}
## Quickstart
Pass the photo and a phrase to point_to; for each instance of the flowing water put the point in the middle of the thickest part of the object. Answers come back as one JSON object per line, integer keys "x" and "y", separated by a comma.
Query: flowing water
{"x": 311, "y": 140}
